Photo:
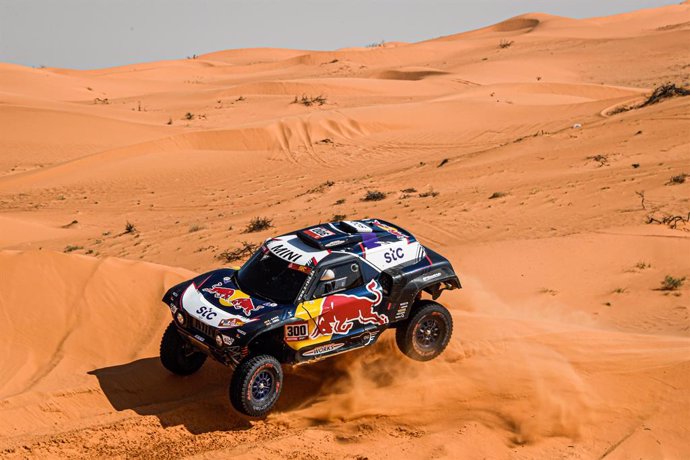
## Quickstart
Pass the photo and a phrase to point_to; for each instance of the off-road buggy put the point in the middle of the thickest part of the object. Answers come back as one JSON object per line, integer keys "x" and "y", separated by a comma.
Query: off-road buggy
{"x": 308, "y": 295}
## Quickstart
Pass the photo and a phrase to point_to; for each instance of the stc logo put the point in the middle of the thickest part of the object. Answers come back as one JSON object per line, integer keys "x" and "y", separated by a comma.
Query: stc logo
{"x": 393, "y": 255}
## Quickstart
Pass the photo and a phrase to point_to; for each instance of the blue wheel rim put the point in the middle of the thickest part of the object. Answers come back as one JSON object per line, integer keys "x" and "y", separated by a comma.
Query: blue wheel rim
{"x": 262, "y": 386}
{"x": 428, "y": 333}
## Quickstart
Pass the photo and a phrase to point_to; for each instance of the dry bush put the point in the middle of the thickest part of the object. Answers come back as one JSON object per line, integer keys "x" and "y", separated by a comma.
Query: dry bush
{"x": 258, "y": 224}
{"x": 679, "y": 179}
{"x": 671, "y": 284}
{"x": 660, "y": 93}
{"x": 245, "y": 250}
{"x": 321, "y": 187}
{"x": 670, "y": 220}
{"x": 374, "y": 195}
{"x": 308, "y": 101}
{"x": 603, "y": 160}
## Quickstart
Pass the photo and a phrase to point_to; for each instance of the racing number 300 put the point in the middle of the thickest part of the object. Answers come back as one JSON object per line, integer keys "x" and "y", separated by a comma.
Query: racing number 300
{"x": 295, "y": 331}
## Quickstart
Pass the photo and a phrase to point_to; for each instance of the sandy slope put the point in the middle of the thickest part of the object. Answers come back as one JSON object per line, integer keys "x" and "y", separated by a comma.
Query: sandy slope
{"x": 564, "y": 347}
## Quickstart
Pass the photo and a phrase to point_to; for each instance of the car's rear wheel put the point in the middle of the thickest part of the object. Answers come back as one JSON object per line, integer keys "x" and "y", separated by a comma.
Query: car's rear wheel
{"x": 255, "y": 385}
{"x": 178, "y": 356}
{"x": 426, "y": 333}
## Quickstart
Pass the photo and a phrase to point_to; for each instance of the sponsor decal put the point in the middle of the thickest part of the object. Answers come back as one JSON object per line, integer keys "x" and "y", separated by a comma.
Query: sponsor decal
{"x": 323, "y": 349}
{"x": 206, "y": 313}
{"x": 199, "y": 338}
{"x": 330, "y": 244}
{"x": 389, "y": 229}
{"x": 273, "y": 320}
{"x": 431, "y": 277}
{"x": 402, "y": 309}
{"x": 173, "y": 308}
{"x": 299, "y": 268}
{"x": 286, "y": 253}
{"x": 231, "y": 322}
{"x": 319, "y": 232}
{"x": 339, "y": 312}
{"x": 235, "y": 298}
{"x": 305, "y": 286}
{"x": 227, "y": 340}
{"x": 393, "y": 254}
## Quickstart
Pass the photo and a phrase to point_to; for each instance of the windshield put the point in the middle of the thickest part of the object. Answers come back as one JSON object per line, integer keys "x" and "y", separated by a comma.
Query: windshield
{"x": 268, "y": 276}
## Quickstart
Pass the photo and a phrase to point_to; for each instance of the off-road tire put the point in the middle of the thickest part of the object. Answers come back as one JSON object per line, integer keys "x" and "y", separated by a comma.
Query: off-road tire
{"x": 177, "y": 355}
{"x": 247, "y": 394}
{"x": 426, "y": 333}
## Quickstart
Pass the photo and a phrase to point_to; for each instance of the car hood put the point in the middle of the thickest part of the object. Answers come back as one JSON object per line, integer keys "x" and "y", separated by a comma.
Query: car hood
{"x": 215, "y": 299}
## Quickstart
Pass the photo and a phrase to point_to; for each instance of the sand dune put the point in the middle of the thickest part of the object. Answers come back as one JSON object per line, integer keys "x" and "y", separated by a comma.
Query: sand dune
{"x": 503, "y": 148}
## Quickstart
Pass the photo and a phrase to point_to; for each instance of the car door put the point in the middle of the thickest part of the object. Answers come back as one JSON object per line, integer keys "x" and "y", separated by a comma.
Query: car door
{"x": 341, "y": 304}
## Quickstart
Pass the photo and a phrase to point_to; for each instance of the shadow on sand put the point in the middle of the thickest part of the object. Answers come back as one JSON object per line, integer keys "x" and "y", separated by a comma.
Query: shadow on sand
{"x": 200, "y": 401}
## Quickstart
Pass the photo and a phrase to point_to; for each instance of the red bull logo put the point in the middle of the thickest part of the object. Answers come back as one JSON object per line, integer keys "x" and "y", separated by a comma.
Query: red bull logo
{"x": 341, "y": 311}
{"x": 234, "y": 298}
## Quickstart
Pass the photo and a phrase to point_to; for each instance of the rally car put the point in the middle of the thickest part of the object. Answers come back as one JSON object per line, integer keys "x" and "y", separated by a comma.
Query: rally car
{"x": 307, "y": 295}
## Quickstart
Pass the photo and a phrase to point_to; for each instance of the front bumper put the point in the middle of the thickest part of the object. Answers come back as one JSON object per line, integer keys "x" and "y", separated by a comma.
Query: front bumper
{"x": 203, "y": 337}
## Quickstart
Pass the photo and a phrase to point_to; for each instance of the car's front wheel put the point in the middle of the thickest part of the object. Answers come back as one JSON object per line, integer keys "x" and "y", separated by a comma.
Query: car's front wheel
{"x": 426, "y": 333}
{"x": 178, "y": 356}
{"x": 255, "y": 385}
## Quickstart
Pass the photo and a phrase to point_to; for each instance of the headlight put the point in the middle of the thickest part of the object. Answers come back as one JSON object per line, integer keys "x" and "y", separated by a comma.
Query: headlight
{"x": 219, "y": 340}
{"x": 180, "y": 318}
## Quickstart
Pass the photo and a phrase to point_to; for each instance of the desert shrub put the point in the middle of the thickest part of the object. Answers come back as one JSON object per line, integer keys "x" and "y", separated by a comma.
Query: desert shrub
{"x": 308, "y": 101}
{"x": 671, "y": 221}
{"x": 70, "y": 248}
{"x": 660, "y": 93}
{"x": 338, "y": 217}
{"x": 321, "y": 187}
{"x": 340, "y": 201}
{"x": 443, "y": 162}
{"x": 671, "y": 284}
{"x": 258, "y": 224}
{"x": 664, "y": 92}
{"x": 374, "y": 195}
{"x": 130, "y": 228}
{"x": 679, "y": 179}
{"x": 603, "y": 160}
{"x": 505, "y": 44}
{"x": 430, "y": 193}
{"x": 245, "y": 250}
{"x": 195, "y": 228}
{"x": 376, "y": 44}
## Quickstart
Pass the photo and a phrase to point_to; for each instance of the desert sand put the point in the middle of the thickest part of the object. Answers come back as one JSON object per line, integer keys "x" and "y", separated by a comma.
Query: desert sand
{"x": 501, "y": 148}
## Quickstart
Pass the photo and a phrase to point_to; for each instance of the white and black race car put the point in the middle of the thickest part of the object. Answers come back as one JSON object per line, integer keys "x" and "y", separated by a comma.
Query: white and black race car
{"x": 307, "y": 295}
